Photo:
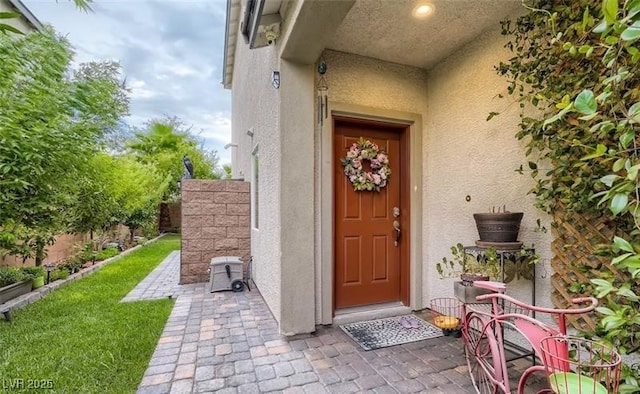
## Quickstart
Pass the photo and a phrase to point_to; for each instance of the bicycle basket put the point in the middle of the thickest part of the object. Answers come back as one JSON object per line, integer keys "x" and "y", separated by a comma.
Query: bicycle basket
{"x": 580, "y": 366}
{"x": 445, "y": 313}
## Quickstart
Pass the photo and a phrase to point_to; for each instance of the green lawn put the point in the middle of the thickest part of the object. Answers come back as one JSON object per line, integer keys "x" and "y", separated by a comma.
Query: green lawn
{"x": 80, "y": 338}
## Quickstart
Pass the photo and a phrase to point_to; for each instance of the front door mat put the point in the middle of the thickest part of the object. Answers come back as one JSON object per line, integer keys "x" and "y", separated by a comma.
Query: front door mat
{"x": 376, "y": 334}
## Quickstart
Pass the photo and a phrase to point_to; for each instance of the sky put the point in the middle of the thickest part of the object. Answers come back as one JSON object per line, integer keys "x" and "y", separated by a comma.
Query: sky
{"x": 171, "y": 53}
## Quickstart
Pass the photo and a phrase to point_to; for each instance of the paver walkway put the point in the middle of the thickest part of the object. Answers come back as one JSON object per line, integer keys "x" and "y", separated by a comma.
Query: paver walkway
{"x": 163, "y": 282}
{"x": 227, "y": 342}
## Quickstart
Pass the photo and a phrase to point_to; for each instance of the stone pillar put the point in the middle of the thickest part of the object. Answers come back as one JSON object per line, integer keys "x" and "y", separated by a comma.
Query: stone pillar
{"x": 215, "y": 222}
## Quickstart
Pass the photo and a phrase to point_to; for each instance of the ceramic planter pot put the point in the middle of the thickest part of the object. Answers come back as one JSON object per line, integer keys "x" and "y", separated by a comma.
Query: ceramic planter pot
{"x": 38, "y": 282}
{"x": 467, "y": 294}
{"x": 498, "y": 227}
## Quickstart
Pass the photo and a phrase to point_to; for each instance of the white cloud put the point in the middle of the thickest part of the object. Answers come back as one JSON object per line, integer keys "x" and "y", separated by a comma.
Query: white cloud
{"x": 141, "y": 93}
{"x": 136, "y": 83}
{"x": 170, "y": 52}
{"x": 139, "y": 90}
{"x": 182, "y": 70}
{"x": 216, "y": 127}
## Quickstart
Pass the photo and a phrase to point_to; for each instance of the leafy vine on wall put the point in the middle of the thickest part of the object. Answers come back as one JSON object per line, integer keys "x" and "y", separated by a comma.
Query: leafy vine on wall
{"x": 575, "y": 71}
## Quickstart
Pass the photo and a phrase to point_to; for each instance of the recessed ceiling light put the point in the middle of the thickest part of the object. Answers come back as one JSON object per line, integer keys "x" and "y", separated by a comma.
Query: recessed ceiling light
{"x": 422, "y": 10}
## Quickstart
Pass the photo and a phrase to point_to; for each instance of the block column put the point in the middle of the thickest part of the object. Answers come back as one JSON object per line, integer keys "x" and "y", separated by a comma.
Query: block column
{"x": 215, "y": 222}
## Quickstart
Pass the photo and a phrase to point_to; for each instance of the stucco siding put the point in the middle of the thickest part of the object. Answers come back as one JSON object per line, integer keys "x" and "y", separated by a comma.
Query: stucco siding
{"x": 465, "y": 155}
{"x": 256, "y": 106}
{"x": 369, "y": 82}
{"x": 297, "y": 198}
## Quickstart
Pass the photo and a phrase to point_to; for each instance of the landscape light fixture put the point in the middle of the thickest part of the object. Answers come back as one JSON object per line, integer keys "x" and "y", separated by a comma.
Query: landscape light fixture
{"x": 49, "y": 267}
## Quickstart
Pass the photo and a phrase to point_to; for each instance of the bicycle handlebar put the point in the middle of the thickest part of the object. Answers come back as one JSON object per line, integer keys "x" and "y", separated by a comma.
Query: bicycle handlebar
{"x": 593, "y": 303}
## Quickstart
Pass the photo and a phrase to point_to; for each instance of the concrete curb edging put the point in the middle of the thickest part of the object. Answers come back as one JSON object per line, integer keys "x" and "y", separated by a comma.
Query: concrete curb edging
{"x": 41, "y": 292}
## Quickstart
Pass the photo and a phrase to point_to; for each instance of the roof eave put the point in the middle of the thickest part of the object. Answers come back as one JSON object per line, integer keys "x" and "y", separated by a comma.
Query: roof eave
{"x": 230, "y": 41}
{"x": 26, "y": 14}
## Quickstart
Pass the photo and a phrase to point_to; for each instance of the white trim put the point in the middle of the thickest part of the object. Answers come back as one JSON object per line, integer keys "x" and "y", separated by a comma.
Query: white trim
{"x": 26, "y": 14}
{"x": 230, "y": 41}
{"x": 324, "y": 257}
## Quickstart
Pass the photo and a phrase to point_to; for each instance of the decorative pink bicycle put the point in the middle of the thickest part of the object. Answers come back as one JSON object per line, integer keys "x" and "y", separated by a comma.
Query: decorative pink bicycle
{"x": 570, "y": 365}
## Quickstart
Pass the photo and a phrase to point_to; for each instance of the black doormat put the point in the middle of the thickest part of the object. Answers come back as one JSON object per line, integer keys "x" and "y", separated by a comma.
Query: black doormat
{"x": 376, "y": 334}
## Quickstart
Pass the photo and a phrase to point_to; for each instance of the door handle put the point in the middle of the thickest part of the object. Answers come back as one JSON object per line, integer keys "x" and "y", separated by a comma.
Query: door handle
{"x": 396, "y": 227}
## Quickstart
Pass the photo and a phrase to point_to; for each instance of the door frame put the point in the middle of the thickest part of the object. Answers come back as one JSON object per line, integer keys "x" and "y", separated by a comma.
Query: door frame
{"x": 325, "y": 208}
{"x": 401, "y": 176}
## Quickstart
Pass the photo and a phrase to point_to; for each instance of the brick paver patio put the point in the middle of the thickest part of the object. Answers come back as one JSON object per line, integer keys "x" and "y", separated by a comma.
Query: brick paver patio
{"x": 227, "y": 342}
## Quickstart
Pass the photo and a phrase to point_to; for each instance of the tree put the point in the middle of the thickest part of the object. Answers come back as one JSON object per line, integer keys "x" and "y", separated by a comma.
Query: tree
{"x": 101, "y": 98}
{"x": 49, "y": 128}
{"x": 227, "y": 171}
{"x": 97, "y": 206}
{"x": 138, "y": 190}
{"x": 164, "y": 142}
{"x": 115, "y": 140}
{"x": 33, "y": 154}
{"x": 117, "y": 190}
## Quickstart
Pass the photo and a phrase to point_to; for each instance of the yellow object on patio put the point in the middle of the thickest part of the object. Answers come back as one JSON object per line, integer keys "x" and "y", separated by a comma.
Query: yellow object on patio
{"x": 446, "y": 322}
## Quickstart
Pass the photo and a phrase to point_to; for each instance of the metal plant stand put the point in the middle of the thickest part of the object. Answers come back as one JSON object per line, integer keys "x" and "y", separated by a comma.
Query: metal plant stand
{"x": 515, "y": 264}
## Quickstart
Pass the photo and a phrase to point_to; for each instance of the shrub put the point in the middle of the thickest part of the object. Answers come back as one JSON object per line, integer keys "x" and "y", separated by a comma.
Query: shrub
{"x": 32, "y": 272}
{"x": 107, "y": 253}
{"x": 72, "y": 265}
{"x": 139, "y": 240}
{"x": 150, "y": 230}
{"x": 60, "y": 273}
{"x": 83, "y": 252}
{"x": 11, "y": 275}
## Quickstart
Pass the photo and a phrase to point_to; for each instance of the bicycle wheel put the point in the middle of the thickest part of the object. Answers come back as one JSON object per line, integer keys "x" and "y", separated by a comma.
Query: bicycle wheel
{"x": 482, "y": 354}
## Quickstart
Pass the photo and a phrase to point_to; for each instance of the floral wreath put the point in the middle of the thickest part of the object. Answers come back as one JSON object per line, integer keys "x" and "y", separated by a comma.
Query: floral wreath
{"x": 363, "y": 180}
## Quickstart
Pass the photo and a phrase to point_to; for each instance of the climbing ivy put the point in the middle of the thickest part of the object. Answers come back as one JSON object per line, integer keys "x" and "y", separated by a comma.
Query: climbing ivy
{"x": 576, "y": 74}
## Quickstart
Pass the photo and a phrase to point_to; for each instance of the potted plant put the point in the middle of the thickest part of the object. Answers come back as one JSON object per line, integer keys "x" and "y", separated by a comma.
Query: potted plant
{"x": 470, "y": 267}
{"x": 498, "y": 226}
{"x": 36, "y": 274}
{"x": 13, "y": 283}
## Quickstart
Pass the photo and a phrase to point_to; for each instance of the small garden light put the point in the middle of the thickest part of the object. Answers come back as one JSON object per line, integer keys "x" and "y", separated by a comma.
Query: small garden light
{"x": 49, "y": 267}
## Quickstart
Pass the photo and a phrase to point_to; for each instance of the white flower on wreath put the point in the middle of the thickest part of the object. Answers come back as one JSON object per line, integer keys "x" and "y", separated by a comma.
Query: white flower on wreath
{"x": 377, "y": 178}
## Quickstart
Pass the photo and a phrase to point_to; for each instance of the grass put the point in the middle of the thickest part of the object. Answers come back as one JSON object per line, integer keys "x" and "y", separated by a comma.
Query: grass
{"x": 81, "y": 338}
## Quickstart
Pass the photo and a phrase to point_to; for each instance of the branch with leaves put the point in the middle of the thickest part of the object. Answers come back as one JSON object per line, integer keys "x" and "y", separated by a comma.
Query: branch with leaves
{"x": 578, "y": 86}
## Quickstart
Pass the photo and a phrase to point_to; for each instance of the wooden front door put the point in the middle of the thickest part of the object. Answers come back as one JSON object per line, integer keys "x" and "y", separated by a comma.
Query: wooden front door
{"x": 370, "y": 264}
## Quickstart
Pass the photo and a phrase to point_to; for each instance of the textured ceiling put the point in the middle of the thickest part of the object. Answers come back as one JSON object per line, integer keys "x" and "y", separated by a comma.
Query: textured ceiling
{"x": 386, "y": 29}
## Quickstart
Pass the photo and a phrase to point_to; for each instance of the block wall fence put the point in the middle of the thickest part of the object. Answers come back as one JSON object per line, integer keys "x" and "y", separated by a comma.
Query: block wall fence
{"x": 62, "y": 249}
{"x": 66, "y": 245}
{"x": 215, "y": 222}
{"x": 169, "y": 217}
